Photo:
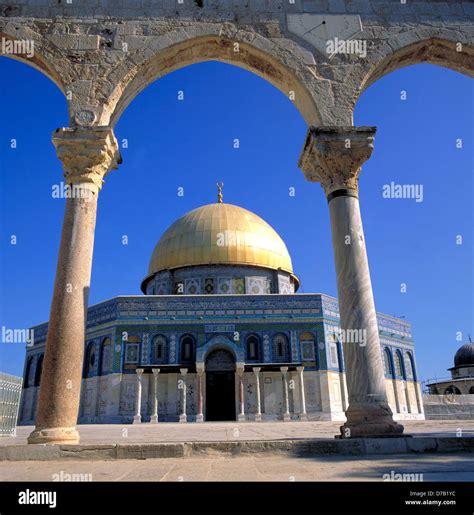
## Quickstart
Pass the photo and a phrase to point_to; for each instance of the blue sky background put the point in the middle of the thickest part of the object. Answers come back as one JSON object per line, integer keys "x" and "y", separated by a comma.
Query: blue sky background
{"x": 189, "y": 144}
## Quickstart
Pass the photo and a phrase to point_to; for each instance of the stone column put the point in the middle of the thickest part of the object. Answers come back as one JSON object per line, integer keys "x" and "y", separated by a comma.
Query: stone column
{"x": 240, "y": 375}
{"x": 286, "y": 399}
{"x": 333, "y": 156}
{"x": 258, "y": 415}
{"x": 87, "y": 156}
{"x": 303, "y": 415}
{"x": 138, "y": 397}
{"x": 200, "y": 376}
{"x": 182, "y": 386}
{"x": 154, "y": 415}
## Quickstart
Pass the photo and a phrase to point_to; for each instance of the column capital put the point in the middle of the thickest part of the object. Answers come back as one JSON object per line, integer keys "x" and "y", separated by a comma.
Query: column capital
{"x": 155, "y": 371}
{"x": 333, "y": 156}
{"x": 139, "y": 371}
{"x": 300, "y": 369}
{"x": 183, "y": 371}
{"x": 87, "y": 155}
{"x": 256, "y": 370}
{"x": 200, "y": 368}
{"x": 240, "y": 367}
{"x": 284, "y": 370}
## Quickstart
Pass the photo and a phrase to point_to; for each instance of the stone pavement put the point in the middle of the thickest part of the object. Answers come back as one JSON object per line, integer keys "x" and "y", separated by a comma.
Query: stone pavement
{"x": 432, "y": 467}
{"x": 236, "y": 431}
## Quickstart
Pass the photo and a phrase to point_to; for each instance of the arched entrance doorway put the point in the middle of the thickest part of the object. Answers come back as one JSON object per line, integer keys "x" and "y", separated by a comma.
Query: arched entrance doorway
{"x": 220, "y": 385}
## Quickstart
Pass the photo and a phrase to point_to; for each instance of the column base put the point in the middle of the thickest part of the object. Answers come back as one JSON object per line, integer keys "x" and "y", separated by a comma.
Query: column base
{"x": 183, "y": 419}
{"x": 303, "y": 416}
{"x": 200, "y": 418}
{"x": 54, "y": 435}
{"x": 258, "y": 417}
{"x": 154, "y": 419}
{"x": 240, "y": 417}
{"x": 369, "y": 420}
{"x": 286, "y": 417}
{"x": 137, "y": 419}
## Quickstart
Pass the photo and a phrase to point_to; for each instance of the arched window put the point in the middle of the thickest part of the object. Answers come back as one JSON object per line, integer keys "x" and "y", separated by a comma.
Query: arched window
{"x": 471, "y": 390}
{"x": 39, "y": 370}
{"x": 387, "y": 362}
{"x": 280, "y": 348}
{"x": 89, "y": 360}
{"x": 28, "y": 371}
{"x": 253, "y": 348}
{"x": 410, "y": 366}
{"x": 399, "y": 371}
{"x": 158, "y": 350}
{"x": 187, "y": 349}
{"x": 450, "y": 390}
{"x": 105, "y": 356}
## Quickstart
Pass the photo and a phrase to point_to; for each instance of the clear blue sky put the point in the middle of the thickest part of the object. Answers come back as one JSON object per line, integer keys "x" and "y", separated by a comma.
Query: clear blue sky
{"x": 189, "y": 144}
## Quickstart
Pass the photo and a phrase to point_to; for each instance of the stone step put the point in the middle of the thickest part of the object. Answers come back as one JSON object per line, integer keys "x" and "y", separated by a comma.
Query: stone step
{"x": 300, "y": 447}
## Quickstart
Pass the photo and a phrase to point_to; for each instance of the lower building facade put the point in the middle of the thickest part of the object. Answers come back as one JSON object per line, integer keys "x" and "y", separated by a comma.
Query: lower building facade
{"x": 197, "y": 358}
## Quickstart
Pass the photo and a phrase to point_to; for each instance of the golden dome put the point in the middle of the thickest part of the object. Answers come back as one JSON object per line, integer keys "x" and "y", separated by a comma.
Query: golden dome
{"x": 220, "y": 234}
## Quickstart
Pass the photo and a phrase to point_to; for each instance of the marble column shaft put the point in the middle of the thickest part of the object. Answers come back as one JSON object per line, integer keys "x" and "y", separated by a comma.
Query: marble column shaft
{"x": 240, "y": 375}
{"x": 258, "y": 415}
{"x": 87, "y": 156}
{"x": 138, "y": 397}
{"x": 303, "y": 415}
{"x": 334, "y": 156}
{"x": 286, "y": 398}
{"x": 154, "y": 414}
{"x": 200, "y": 376}
{"x": 183, "y": 417}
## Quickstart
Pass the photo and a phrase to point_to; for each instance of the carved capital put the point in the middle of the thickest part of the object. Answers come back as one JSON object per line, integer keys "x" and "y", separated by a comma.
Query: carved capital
{"x": 333, "y": 156}
{"x": 87, "y": 155}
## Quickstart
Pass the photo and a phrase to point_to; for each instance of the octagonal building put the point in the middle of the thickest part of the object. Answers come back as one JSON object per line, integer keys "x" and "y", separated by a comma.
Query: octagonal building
{"x": 221, "y": 334}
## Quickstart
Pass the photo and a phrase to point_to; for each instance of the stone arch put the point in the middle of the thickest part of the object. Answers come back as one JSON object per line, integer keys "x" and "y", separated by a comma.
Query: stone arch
{"x": 388, "y": 362}
{"x": 105, "y": 364}
{"x": 39, "y": 60}
{"x": 411, "y": 362}
{"x": 410, "y": 49}
{"x": 89, "y": 360}
{"x": 259, "y": 55}
{"x": 452, "y": 390}
{"x": 220, "y": 342}
{"x": 399, "y": 364}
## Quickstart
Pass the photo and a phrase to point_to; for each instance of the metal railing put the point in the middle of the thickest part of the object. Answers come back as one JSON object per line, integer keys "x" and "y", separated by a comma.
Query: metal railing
{"x": 10, "y": 395}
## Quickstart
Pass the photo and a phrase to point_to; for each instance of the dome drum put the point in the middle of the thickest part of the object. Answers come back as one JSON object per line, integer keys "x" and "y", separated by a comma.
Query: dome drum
{"x": 219, "y": 279}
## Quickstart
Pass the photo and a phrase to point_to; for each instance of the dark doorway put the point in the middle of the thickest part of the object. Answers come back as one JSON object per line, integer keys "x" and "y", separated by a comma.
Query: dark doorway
{"x": 220, "y": 386}
{"x": 220, "y": 396}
